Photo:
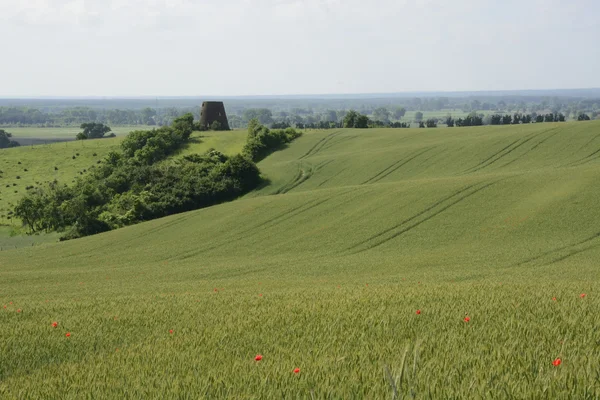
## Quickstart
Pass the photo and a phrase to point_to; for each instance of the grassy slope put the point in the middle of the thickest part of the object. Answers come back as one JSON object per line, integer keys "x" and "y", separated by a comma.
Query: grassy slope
{"x": 368, "y": 227}
{"x": 40, "y": 161}
{"x": 63, "y": 133}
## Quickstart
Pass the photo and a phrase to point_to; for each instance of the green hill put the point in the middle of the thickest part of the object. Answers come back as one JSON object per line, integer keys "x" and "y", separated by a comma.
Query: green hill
{"x": 324, "y": 270}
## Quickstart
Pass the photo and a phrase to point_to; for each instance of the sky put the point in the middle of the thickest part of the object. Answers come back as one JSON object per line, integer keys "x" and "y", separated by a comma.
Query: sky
{"x": 271, "y": 47}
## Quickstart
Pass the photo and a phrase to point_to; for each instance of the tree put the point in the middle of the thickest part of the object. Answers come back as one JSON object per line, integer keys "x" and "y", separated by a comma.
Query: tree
{"x": 399, "y": 112}
{"x": 583, "y": 117}
{"x": 432, "y": 123}
{"x": 381, "y": 114}
{"x": 93, "y": 130}
{"x": 264, "y": 115}
{"x": 5, "y": 141}
{"x": 350, "y": 119}
{"x": 450, "y": 122}
{"x": 362, "y": 122}
{"x": 418, "y": 116}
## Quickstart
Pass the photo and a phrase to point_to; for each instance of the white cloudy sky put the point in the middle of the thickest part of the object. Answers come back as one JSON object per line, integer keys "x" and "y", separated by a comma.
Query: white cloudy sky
{"x": 250, "y": 47}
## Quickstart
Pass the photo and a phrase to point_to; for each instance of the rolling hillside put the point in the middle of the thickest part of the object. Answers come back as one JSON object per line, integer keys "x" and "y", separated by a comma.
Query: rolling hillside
{"x": 491, "y": 233}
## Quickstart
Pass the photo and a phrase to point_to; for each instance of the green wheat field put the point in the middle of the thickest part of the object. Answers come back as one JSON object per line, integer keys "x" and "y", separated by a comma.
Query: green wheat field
{"x": 411, "y": 263}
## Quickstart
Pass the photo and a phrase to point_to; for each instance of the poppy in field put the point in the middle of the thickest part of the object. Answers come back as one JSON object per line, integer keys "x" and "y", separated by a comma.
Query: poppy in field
{"x": 258, "y": 357}
{"x": 556, "y": 362}
{"x": 171, "y": 331}
{"x": 216, "y": 290}
{"x": 68, "y": 334}
{"x": 260, "y": 295}
{"x": 297, "y": 371}
{"x": 418, "y": 312}
{"x": 54, "y": 324}
{"x": 554, "y": 299}
{"x": 582, "y": 295}
{"x": 467, "y": 319}
{"x": 19, "y": 310}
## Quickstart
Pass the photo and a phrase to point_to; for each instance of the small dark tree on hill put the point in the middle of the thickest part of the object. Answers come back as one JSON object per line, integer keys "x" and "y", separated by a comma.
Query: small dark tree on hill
{"x": 450, "y": 122}
{"x": 362, "y": 122}
{"x": 350, "y": 119}
{"x": 5, "y": 141}
{"x": 418, "y": 116}
{"x": 583, "y": 117}
{"x": 432, "y": 123}
{"x": 93, "y": 130}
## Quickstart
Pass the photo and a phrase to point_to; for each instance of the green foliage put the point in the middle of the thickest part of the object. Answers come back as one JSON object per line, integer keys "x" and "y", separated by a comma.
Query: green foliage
{"x": 5, "y": 141}
{"x": 354, "y": 119}
{"x": 432, "y": 123}
{"x": 148, "y": 147}
{"x": 262, "y": 141}
{"x": 418, "y": 116}
{"x": 93, "y": 130}
{"x": 133, "y": 186}
{"x": 583, "y": 117}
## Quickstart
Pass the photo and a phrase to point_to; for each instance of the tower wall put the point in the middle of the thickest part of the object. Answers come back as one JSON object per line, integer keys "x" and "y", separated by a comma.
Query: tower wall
{"x": 212, "y": 111}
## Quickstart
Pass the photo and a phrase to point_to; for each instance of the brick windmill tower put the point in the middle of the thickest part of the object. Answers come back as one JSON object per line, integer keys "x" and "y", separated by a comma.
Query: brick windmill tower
{"x": 212, "y": 111}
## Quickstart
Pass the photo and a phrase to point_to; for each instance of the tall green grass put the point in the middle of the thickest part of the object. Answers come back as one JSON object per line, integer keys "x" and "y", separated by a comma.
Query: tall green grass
{"x": 324, "y": 269}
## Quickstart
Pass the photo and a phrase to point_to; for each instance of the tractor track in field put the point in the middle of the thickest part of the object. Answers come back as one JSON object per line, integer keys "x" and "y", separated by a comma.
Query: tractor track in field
{"x": 419, "y": 214}
{"x": 279, "y": 218}
{"x": 585, "y": 160}
{"x": 395, "y": 166}
{"x": 533, "y": 148}
{"x": 408, "y": 228}
{"x": 317, "y": 147}
{"x": 504, "y": 152}
{"x": 331, "y": 177}
{"x": 560, "y": 249}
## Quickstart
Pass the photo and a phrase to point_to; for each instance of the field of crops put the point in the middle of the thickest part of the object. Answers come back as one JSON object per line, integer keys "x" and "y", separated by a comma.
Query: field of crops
{"x": 437, "y": 263}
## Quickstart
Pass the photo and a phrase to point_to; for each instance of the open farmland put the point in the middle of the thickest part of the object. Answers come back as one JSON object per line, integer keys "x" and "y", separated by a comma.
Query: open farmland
{"x": 382, "y": 263}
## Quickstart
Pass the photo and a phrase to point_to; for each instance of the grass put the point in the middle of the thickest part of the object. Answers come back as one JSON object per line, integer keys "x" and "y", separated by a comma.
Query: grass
{"x": 63, "y": 133}
{"x": 324, "y": 270}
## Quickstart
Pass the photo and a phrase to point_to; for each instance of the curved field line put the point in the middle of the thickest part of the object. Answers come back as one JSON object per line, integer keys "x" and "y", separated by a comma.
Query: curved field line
{"x": 544, "y": 254}
{"x": 318, "y": 146}
{"x": 533, "y": 148}
{"x": 435, "y": 214}
{"x": 513, "y": 148}
{"x": 572, "y": 253}
{"x": 585, "y": 160}
{"x": 492, "y": 156}
{"x": 393, "y": 165}
{"x": 331, "y": 177}
{"x": 273, "y": 221}
{"x": 397, "y": 167}
{"x": 431, "y": 207}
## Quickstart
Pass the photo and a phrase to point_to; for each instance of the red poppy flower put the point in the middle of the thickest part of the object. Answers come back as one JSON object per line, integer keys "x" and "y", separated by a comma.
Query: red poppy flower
{"x": 297, "y": 371}
{"x": 260, "y": 295}
{"x": 556, "y": 362}
{"x": 171, "y": 331}
{"x": 554, "y": 299}
{"x": 68, "y": 334}
{"x": 582, "y": 295}
{"x": 19, "y": 310}
{"x": 367, "y": 284}
{"x": 467, "y": 319}
{"x": 418, "y": 312}
{"x": 258, "y": 357}
{"x": 54, "y": 324}
{"x": 216, "y": 290}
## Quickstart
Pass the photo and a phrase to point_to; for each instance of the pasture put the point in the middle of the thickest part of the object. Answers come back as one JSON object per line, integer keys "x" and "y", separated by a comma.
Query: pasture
{"x": 432, "y": 263}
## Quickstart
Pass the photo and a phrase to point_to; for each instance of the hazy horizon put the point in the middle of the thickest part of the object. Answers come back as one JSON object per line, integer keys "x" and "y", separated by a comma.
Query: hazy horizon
{"x": 238, "y": 48}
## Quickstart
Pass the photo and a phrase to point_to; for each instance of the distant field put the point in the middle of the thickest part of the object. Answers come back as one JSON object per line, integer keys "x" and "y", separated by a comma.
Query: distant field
{"x": 26, "y": 134}
{"x": 358, "y": 264}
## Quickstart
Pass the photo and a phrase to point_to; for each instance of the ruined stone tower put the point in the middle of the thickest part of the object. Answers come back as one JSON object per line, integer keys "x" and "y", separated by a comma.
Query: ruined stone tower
{"x": 213, "y": 111}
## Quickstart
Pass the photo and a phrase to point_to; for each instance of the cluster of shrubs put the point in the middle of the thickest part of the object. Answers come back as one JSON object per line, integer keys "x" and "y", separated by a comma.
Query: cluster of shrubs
{"x": 262, "y": 141}
{"x": 139, "y": 183}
